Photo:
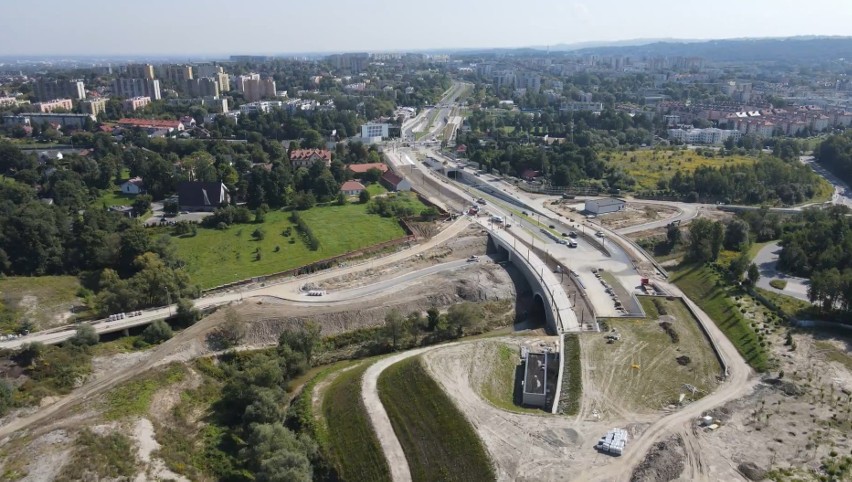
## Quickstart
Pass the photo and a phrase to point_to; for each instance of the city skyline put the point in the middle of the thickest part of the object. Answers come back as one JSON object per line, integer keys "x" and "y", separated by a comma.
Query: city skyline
{"x": 265, "y": 27}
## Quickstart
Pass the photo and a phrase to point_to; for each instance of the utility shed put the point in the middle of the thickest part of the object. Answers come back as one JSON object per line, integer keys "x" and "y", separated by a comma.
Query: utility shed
{"x": 535, "y": 379}
{"x": 605, "y": 205}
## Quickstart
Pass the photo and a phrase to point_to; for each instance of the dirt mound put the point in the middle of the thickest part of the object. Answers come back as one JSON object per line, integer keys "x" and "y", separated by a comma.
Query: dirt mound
{"x": 664, "y": 462}
{"x": 785, "y": 387}
{"x": 751, "y": 471}
{"x": 683, "y": 360}
{"x": 669, "y": 329}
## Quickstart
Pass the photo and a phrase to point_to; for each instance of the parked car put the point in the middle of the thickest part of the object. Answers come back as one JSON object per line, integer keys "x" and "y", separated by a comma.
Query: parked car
{"x": 551, "y": 226}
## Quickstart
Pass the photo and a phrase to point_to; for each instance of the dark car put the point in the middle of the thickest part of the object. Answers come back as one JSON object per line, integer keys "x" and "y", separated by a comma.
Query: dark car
{"x": 551, "y": 226}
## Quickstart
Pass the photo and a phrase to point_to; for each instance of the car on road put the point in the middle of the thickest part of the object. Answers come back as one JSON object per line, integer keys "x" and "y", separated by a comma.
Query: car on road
{"x": 599, "y": 234}
{"x": 564, "y": 235}
{"x": 551, "y": 226}
{"x": 472, "y": 259}
{"x": 572, "y": 234}
{"x": 572, "y": 244}
{"x": 561, "y": 241}
{"x": 524, "y": 213}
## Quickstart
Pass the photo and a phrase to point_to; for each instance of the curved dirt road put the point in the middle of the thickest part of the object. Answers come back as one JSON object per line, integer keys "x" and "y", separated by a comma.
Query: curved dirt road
{"x": 379, "y": 416}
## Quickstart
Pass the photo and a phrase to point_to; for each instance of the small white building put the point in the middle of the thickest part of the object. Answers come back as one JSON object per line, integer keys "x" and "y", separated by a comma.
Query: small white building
{"x": 133, "y": 186}
{"x": 605, "y": 205}
{"x": 352, "y": 188}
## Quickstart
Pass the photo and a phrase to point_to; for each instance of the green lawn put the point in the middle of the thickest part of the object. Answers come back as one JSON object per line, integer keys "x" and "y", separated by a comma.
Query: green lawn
{"x": 113, "y": 198}
{"x": 438, "y": 441}
{"x": 572, "y": 377}
{"x": 789, "y": 306}
{"x": 709, "y": 291}
{"x": 215, "y": 257}
{"x": 375, "y": 189}
{"x": 40, "y": 299}
{"x": 352, "y": 446}
{"x": 504, "y": 384}
{"x": 649, "y": 166}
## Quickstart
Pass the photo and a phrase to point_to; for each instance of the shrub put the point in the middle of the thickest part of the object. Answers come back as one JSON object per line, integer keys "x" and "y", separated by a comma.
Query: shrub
{"x": 307, "y": 234}
{"x": 85, "y": 335}
{"x": 157, "y": 332}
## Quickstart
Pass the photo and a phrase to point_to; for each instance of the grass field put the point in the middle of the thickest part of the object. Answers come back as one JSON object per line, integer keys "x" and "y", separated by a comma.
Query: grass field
{"x": 789, "y": 306}
{"x": 708, "y": 290}
{"x": 641, "y": 371}
{"x": 113, "y": 198}
{"x": 504, "y": 384}
{"x": 572, "y": 377}
{"x": 349, "y": 439}
{"x": 215, "y": 257}
{"x": 649, "y": 166}
{"x": 43, "y": 300}
{"x": 134, "y": 397}
{"x": 439, "y": 443}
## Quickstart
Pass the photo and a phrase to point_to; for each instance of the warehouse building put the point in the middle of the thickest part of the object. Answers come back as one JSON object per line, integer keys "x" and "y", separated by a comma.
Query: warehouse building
{"x": 605, "y": 205}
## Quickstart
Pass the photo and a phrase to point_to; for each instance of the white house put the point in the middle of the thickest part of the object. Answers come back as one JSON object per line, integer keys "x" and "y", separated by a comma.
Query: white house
{"x": 133, "y": 186}
{"x": 605, "y": 205}
{"x": 352, "y": 188}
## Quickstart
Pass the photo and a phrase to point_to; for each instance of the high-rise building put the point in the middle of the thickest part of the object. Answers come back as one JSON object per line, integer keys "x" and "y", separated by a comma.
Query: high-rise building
{"x": 55, "y": 89}
{"x": 254, "y": 88}
{"x": 203, "y": 87}
{"x": 137, "y": 88}
{"x": 353, "y": 62}
{"x": 141, "y": 71}
{"x": 176, "y": 74}
{"x": 93, "y": 106}
{"x": 207, "y": 70}
{"x": 224, "y": 82}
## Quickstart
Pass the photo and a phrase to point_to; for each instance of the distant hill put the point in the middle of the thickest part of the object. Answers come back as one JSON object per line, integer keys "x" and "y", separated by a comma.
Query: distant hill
{"x": 794, "y": 49}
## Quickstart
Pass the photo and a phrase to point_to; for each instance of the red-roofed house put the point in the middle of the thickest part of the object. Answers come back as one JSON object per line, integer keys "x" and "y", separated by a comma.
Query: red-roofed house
{"x": 360, "y": 169}
{"x": 352, "y": 188}
{"x": 394, "y": 182}
{"x": 307, "y": 157}
{"x": 529, "y": 174}
{"x": 171, "y": 125}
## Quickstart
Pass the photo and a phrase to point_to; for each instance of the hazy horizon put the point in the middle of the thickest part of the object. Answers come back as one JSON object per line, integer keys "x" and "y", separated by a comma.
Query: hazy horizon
{"x": 261, "y": 27}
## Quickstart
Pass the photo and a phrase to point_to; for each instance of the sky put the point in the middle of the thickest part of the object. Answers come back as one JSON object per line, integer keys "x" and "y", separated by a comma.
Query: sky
{"x": 218, "y": 27}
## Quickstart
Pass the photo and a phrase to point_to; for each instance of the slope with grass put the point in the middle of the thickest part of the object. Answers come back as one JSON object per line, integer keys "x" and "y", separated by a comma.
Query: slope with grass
{"x": 215, "y": 257}
{"x": 345, "y": 431}
{"x": 502, "y": 387}
{"x": 438, "y": 441}
{"x": 714, "y": 296}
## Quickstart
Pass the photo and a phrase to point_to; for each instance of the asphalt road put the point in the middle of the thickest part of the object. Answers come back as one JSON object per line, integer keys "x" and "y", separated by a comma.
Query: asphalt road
{"x": 287, "y": 290}
{"x": 842, "y": 191}
{"x": 767, "y": 261}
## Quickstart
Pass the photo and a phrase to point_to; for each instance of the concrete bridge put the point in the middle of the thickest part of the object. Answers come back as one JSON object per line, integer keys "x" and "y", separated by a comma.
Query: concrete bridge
{"x": 547, "y": 289}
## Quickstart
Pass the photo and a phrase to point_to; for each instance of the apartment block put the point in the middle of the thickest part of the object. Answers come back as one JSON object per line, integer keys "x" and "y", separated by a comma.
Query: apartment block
{"x": 142, "y": 71}
{"x": 93, "y": 106}
{"x": 135, "y": 103}
{"x": 52, "y": 105}
{"x": 254, "y": 88}
{"x": 59, "y": 89}
{"x": 137, "y": 87}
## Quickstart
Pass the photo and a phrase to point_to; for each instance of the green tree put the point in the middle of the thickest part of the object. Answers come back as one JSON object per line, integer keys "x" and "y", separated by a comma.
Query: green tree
{"x": 186, "y": 313}
{"x": 736, "y": 235}
{"x": 364, "y": 197}
{"x": 753, "y": 274}
{"x": 433, "y": 318}
{"x": 157, "y": 332}
{"x": 396, "y": 330}
{"x": 275, "y": 454}
{"x": 673, "y": 234}
{"x": 464, "y": 316}
{"x": 85, "y": 335}
{"x": 341, "y": 198}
